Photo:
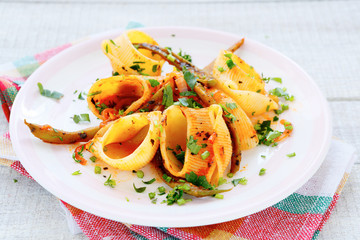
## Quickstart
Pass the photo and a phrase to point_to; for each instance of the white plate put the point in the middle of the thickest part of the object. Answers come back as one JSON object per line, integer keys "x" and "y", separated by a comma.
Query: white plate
{"x": 79, "y": 66}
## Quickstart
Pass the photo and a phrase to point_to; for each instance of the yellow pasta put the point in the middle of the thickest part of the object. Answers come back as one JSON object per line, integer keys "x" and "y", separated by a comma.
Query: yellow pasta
{"x": 126, "y": 59}
{"x": 240, "y": 121}
{"x": 237, "y": 76}
{"x": 128, "y": 143}
{"x": 118, "y": 93}
{"x": 253, "y": 103}
{"x": 186, "y": 129}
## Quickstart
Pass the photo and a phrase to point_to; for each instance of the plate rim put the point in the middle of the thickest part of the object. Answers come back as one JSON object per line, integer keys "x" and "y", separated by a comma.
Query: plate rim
{"x": 321, "y": 154}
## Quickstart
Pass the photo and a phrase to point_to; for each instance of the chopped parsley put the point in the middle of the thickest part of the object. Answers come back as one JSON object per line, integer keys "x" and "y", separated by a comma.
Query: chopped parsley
{"x": 84, "y": 117}
{"x": 152, "y": 195}
{"x": 228, "y": 115}
{"x": 166, "y": 177}
{"x": 219, "y": 196}
{"x": 231, "y": 105}
{"x": 140, "y": 174}
{"x": 47, "y": 93}
{"x": 154, "y": 67}
{"x": 188, "y": 93}
{"x": 185, "y": 56}
{"x": 110, "y": 182}
{"x": 281, "y": 92}
{"x": 80, "y": 97}
{"x": 140, "y": 189}
{"x": 267, "y": 79}
{"x": 97, "y": 170}
{"x": 291, "y": 154}
{"x": 283, "y": 107}
{"x": 15, "y": 180}
{"x": 198, "y": 180}
{"x": 242, "y": 181}
{"x": 188, "y": 102}
{"x": 100, "y": 107}
{"x": 115, "y": 74}
{"x": 265, "y": 133}
{"x": 191, "y": 144}
{"x": 230, "y": 175}
{"x": 154, "y": 82}
{"x": 189, "y": 78}
{"x": 168, "y": 97}
{"x": 150, "y": 181}
{"x": 221, "y": 69}
{"x": 94, "y": 93}
{"x": 229, "y": 62}
{"x": 76, "y": 172}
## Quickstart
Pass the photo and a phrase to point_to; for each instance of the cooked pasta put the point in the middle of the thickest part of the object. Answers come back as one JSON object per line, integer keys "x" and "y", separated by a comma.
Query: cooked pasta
{"x": 129, "y": 143}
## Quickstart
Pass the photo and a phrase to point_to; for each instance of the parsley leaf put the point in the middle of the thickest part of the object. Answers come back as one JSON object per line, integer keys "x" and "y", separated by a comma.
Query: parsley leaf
{"x": 84, "y": 117}
{"x": 242, "y": 181}
{"x": 191, "y": 144}
{"x": 154, "y": 82}
{"x": 198, "y": 180}
{"x": 47, "y": 93}
{"x": 185, "y": 56}
{"x": 140, "y": 189}
{"x": 189, "y": 102}
{"x": 110, "y": 182}
{"x": 190, "y": 78}
{"x": 168, "y": 97}
{"x": 188, "y": 93}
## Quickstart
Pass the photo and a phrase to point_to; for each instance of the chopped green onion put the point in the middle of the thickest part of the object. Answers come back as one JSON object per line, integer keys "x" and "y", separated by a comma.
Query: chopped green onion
{"x": 152, "y": 195}
{"x": 93, "y": 158}
{"x": 221, "y": 69}
{"x": 191, "y": 144}
{"x": 97, "y": 170}
{"x": 93, "y": 93}
{"x": 230, "y": 175}
{"x": 219, "y": 196}
{"x": 140, "y": 174}
{"x": 76, "y": 172}
{"x": 205, "y": 155}
{"x": 291, "y": 154}
{"x": 262, "y": 171}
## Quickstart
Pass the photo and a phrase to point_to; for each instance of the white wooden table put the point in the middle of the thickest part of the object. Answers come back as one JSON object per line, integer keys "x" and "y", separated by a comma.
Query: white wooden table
{"x": 322, "y": 36}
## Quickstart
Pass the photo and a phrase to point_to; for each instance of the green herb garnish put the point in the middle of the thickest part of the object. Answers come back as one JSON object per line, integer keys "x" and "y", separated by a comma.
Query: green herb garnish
{"x": 76, "y": 172}
{"x": 198, "y": 180}
{"x": 84, "y": 117}
{"x": 150, "y": 181}
{"x": 140, "y": 174}
{"x": 110, "y": 182}
{"x": 47, "y": 93}
{"x": 140, "y": 189}
{"x": 262, "y": 171}
{"x": 291, "y": 154}
{"x": 205, "y": 155}
{"x": 154, "y": 82}
{"x": 242, "y": 181}
{"x": 168, "y": 97}
{"x": 97, "y": 170}
{"x": 191, "y": 144}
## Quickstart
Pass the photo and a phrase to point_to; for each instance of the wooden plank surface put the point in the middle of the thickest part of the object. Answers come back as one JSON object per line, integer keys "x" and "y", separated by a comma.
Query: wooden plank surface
{"x": 321, "y": 36}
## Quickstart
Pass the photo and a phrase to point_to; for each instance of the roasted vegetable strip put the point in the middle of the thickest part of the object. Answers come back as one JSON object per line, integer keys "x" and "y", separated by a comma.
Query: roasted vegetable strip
{"x": 52, "y": 135}
{"x": 180, "y": 63}
{"x": 175, "y": 181}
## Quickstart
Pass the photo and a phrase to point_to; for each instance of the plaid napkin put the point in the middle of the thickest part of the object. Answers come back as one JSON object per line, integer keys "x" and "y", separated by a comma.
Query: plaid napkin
{"x": 299, "y": 216}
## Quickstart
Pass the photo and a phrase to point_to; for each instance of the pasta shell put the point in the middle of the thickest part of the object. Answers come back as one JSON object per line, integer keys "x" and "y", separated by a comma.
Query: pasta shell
{"x": 126, "y": 59}
{"x": 240, "y": 77}
{"x": 128, "y": 143}
{"x": 183, "y": 126}
{"x": 253, "y": 103}
{"x": 241, "y": 124}
{"x": 126, "y": 93}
